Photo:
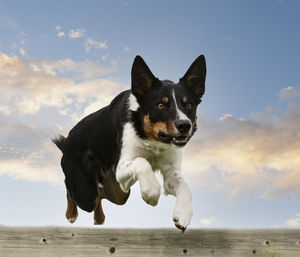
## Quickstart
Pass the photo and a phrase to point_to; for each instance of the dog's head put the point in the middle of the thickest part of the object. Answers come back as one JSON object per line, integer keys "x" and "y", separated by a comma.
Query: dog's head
{"x": 166, "y": 110}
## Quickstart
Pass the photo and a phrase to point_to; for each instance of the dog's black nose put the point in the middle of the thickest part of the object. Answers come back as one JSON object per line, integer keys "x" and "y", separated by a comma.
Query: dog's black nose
{"x": 183, "y": 126}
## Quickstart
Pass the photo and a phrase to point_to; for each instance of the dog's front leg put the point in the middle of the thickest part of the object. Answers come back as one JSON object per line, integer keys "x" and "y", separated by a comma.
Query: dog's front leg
{"x": 175, "y": 185}
{"x": 183, "y": 210}
{"x": 128, "y": 172}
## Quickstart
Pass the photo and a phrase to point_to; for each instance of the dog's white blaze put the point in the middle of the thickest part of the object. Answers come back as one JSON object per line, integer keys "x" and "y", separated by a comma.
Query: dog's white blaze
{"x": 180, "y": 115}
{"x": 133, "y": 104}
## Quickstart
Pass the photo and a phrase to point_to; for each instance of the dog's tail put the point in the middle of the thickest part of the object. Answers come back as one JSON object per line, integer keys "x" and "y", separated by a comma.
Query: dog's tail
{"x": 60, "y": 142}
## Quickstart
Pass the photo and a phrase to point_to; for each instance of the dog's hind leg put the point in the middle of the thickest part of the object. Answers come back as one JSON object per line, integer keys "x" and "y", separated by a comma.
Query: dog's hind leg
{"x": 81, "y": 185}
{"x": 99, "y": 216}
{"x": 71, "y": 213}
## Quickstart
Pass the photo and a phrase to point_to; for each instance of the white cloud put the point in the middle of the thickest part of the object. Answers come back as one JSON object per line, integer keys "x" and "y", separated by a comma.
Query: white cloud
{"x": 26, "y": 153}
{"x": 4, "y": 109}
{"x": 28, "y": 107}
{"x": 29, "y": 85}
{"x": 99, "y": 103}
{"x": 78, "y": 33}
{"x": 289, "y": 92}
{"x": 90, "y": 43}
{"x": 226, "y": 116}
{"x": 27, "y": 170}
{"x": 80, "y": 70}
{"x": 260, "y": 153}
{"x": 208, "y": 221}
{"x": 61, "y": 34}
{"x": 293, "y": 222}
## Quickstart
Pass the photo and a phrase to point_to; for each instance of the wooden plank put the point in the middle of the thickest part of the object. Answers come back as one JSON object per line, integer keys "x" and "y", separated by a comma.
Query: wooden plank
{"x": 60, "y": 241}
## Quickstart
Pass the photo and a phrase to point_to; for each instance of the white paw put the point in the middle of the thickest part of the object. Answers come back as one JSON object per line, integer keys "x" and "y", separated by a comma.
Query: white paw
{"x": 125, "y": 176}
{"x": 150, "y": 190}
{"x": 182, "y": 217}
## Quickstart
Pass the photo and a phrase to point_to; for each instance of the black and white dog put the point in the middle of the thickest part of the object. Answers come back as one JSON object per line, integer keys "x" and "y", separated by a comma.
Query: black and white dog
{"x": 142, "y": 130}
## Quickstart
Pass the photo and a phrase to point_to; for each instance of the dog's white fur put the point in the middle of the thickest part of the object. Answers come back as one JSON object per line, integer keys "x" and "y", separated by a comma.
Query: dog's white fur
{"x": 139, "y": 159}
{"x": 180, "y": 115}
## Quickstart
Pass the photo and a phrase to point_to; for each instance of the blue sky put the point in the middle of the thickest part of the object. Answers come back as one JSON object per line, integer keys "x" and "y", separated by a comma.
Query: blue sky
{"x": 62, "y": 60}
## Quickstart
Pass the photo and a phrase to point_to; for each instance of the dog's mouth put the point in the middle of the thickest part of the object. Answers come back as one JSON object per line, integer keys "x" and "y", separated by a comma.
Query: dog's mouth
{"x": 180, "y": 140}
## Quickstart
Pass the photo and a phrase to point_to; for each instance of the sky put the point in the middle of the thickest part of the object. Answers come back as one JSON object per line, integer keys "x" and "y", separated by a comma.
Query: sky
{"x": 61, "y": 60}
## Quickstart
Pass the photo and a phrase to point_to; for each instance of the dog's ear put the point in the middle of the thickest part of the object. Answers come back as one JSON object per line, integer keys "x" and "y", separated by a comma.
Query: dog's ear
{"x": 142, "y": 79}
{"x": 194, "y": 78}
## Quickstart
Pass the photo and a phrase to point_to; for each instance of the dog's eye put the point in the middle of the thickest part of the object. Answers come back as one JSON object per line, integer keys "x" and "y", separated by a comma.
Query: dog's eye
{"x": 160, "y": 106}
{"x": 188, "y": 106}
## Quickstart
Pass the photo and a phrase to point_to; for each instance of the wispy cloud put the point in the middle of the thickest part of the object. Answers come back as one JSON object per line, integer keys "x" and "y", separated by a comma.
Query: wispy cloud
{"x": 29, "y": 85}
{"x": 288, "y": 93}
{"x": 293, "y": 222}
{"x": 59, "y": 32}
{"x": 13, "y": 32}
{"x": 208, "y": 221}
{"x": 91, "y": 43}
{"x": 26, "y": 153}
{"x": 260, "y": 153}
{"x": 4, "y": 109}
{"x": 76, "y": 33}
{"x": 22, "y": 51}
{"x": 80, "y": 70}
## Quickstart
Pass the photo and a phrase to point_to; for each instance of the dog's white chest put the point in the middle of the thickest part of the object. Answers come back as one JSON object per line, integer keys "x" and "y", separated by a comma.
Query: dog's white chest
{"x": 157, "y": 153}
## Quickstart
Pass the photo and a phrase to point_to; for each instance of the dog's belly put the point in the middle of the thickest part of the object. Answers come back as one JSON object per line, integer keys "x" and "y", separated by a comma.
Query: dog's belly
{"x": 109, "y": 188}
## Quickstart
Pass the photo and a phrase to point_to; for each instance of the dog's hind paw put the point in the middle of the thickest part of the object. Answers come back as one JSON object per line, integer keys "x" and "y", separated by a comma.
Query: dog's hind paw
{"x": 99, "y": 220}
{"x": 72, "y": 219}
{"x": 98, "y": 223}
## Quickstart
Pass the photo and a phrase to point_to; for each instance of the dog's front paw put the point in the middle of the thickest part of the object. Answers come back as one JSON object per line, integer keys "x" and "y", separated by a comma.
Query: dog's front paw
{"x": 182, "y": 217}
{"x": 150, "y": 190}
{"x": 125, "y": 178}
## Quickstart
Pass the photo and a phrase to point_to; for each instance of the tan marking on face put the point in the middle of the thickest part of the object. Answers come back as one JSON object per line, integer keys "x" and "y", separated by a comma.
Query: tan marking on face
{"x": 184, "y": 100}
{"x": 171, "y": 127}
{"x": 165, "y": 100}
{"x": 152, "y": 129}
